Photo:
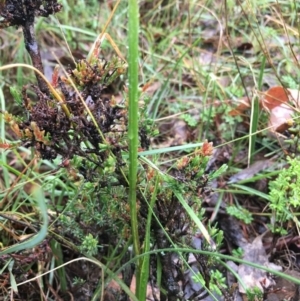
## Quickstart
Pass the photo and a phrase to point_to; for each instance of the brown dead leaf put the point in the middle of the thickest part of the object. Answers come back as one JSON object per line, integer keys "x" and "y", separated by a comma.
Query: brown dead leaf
{"x": 285, "y": 289}
{"x": 243, "y": 105}
{"x": 251, "y": 171}
{"x": 253, "y": 277}
{"x": 278, "y": 101}
{"x": 275, "y": 97}
{"x": 174, "y": 133}
{"x": 151, "y": 87}
{"x": 271, "y": 99}
{"x": 180, "y": 132}
{"x": 281, "y": 104}
{"x": 279, "y": 118}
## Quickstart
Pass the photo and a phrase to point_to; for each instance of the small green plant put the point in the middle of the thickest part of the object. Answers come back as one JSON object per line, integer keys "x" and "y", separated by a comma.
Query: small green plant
{"x": 216, "y": 234}
{"x": 239, "y": 252}
{"x": 189, "y": 119}
{"x": 240, "y": 213}
{"x": 290, "y": 82}
{"x": 293, "y": 141}
{"x": 89, "y": 245}
{"x": 235, "y": 91}
{"x": 285, "y": 195}
{"x": 78, "y": 281}
{"x": 229, "y": 122}
{"x": 254, "y": 294}
{"x": 217, "y": 281}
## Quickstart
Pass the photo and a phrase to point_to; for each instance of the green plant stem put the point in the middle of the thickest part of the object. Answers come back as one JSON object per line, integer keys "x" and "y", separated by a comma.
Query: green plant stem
{"x": 133, "y": 28}
{"x": 255, "y": 115}
{"x": 145, "y": 262}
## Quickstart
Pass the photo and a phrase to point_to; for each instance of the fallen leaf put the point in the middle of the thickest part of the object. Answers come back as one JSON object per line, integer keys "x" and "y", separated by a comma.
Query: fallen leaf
{"x": 281, "y": 104}
{"x": 151, "y": 87}
{"x": 274, "y": 97}
{"x": 251, "y": 171}
{"x": 243, "y": 105}
{"x": 278, "y": 101}
{"x": 279, "y": 117}
{"x": 252, "y": 277}
{"x": 285, "y": 289}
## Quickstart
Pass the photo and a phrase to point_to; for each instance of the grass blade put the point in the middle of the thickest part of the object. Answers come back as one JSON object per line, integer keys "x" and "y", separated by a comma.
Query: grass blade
{"x": 133, "y": 58}
{"x": 40, "y": 236}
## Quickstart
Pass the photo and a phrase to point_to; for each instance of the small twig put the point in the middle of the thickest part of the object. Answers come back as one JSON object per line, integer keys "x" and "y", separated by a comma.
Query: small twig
{"x": 32, "y": 47}
{"x": 22, "y": 13}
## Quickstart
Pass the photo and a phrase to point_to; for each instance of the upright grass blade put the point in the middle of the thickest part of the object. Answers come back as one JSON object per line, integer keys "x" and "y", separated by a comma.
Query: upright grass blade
{"x": 145, "y": 262}
{"x": 5, "y": 173}
{"x": 133, "y": 58}
{"x": 58, "y": 254}
{"x": 196, "y": 220}
{"x": 255, "y": 115}
{"x": 253, "y": 128}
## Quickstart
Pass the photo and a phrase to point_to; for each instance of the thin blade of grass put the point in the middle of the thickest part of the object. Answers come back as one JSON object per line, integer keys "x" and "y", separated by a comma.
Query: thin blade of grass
{"x": 38, "y": 196}
{"x": 253, "y": 129}
{"x": 252, "y": 191}
{"x": 195, "y": 219}
{"x": 133, "y": 68}
{"x": 146, "y": 260}
{"x": 255, "y": 116}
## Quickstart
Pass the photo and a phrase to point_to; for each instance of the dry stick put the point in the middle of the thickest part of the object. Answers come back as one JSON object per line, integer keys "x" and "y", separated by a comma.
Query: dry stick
{"x": 32, "y": 47}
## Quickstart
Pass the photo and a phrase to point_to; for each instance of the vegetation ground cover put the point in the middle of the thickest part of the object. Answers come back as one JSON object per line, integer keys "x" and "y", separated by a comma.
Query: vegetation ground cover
{"x": 215, "y": 124}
